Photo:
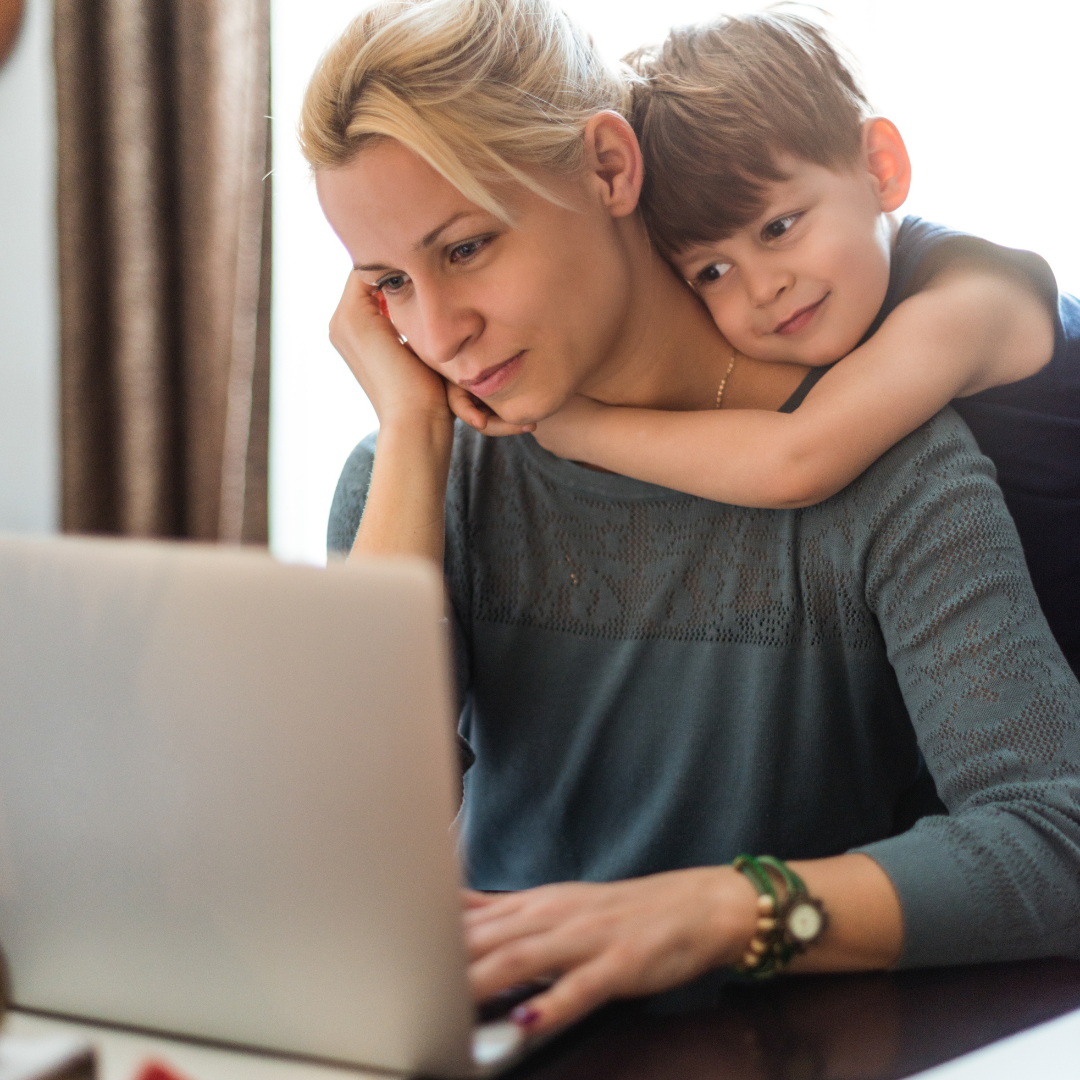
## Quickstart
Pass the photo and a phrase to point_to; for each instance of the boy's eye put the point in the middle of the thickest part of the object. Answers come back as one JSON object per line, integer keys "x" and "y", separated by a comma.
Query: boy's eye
{"x": 713, "y": 272}
{"x": 775, "y": 229}
{"x": 392, "y": 283}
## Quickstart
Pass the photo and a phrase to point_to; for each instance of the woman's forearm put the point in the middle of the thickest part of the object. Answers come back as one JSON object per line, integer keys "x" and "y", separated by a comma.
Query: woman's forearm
{"x": 866, "y": 925}
{"x": 404, "y": 512}
{"x": 648, "y": 934}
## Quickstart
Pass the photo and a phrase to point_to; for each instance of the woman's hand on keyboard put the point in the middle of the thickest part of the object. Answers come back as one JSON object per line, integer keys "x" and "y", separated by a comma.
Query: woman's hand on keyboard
{"x": 605, "y": 941}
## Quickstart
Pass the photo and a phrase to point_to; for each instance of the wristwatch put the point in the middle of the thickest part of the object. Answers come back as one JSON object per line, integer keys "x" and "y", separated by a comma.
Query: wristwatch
{"x": 804, "y": 921}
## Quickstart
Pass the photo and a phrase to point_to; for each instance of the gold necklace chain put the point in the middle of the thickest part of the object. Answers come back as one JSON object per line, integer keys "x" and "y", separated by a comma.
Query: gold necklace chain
{"x": 723, "y": 381}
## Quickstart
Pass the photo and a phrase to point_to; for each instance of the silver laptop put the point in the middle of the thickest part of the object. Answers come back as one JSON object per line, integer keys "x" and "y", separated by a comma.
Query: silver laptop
{"x": 227, "y": 793}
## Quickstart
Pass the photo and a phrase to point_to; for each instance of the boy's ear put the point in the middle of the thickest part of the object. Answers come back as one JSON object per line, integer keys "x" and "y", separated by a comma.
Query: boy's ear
{"x": 887, "y": 159}
{"x": 613, "y": 162}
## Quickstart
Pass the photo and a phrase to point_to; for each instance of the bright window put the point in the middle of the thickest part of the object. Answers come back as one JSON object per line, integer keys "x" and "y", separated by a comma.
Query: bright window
{"x": 985, "y": 94}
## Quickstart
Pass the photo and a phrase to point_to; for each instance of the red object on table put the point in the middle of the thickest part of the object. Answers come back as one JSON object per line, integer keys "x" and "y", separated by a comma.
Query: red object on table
{"x": 158, "y": 1070}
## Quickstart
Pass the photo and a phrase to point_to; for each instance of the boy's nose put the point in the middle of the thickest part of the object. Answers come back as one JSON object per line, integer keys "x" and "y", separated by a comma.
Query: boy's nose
{"x": 766, "y": 284}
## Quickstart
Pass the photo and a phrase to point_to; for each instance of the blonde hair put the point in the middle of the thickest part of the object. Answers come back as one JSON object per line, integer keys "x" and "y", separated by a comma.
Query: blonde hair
{"x": 479, "y": 89}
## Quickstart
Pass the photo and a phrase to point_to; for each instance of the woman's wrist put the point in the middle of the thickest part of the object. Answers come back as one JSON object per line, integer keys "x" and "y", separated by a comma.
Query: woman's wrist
{"x": 423, "y": 429}
{"x": 404, "y": 511}
{"x": 734, "y": 914}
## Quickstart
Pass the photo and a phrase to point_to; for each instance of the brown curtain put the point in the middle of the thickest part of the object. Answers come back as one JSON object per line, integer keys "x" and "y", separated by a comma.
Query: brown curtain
{"x": 164, "y": 246}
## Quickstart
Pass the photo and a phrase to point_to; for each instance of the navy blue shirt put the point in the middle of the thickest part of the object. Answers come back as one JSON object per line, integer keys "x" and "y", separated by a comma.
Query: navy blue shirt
{"x": 1029, "y": 429}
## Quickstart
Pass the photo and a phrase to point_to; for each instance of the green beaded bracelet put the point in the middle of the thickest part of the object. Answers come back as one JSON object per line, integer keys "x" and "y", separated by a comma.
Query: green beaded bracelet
{"x": 785, "y": 926}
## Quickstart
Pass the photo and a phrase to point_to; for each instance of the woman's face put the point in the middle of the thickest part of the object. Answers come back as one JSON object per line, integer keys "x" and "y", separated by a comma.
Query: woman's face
{"x": 524, "y": 316}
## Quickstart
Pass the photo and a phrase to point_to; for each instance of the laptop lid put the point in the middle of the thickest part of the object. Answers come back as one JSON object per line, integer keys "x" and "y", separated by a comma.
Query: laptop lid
{"x": 227, "y": 789}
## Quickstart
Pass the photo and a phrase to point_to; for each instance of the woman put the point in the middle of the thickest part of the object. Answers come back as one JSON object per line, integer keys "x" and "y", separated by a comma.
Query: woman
{"x": 654, "y": 683}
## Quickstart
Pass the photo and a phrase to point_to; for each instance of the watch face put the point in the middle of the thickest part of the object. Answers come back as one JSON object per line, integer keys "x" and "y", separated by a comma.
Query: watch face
{"x": 804, "y": 922}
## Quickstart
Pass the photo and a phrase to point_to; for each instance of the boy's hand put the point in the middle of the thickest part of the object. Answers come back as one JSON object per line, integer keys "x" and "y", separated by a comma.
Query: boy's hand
{"x": 476, "y": 414}
{"x": 565, "y": 434}
{"x": 397, "y": 382}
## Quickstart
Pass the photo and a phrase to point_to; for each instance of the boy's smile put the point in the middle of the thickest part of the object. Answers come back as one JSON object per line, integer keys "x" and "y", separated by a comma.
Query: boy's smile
{"x": 804, "y": 280}
{"x": 801, "y": 318}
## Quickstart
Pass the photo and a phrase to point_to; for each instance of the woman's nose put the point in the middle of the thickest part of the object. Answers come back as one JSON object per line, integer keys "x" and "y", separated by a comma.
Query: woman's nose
{"x": 446, "y": 323}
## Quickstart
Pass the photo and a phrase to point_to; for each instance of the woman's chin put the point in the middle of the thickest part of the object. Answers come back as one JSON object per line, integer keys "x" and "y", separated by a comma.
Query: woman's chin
{"x": 523, "y": 411}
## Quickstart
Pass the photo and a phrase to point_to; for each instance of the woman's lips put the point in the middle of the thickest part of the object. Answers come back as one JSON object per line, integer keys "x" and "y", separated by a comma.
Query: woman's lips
{"x": 800, "y": 319}
{"x": 493, "y": 379}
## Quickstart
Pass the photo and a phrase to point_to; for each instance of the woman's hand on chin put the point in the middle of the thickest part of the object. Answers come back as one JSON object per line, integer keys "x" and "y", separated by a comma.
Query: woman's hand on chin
{"x": 604, "y": 941}
{"x": 397, "y": 382}
{"x": 477, "y": 414}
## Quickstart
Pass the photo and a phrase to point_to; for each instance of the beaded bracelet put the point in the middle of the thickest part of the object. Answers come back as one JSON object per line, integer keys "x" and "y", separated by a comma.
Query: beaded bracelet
{"x": 785, "y": 925}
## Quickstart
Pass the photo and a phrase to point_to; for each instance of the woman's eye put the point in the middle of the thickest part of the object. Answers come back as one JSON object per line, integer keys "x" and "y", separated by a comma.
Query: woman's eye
{"x": 392, "y": 283}
{"x": 713, "y": 272}
{"x": 465, "y": 251}
{"x": 775, "y": 229}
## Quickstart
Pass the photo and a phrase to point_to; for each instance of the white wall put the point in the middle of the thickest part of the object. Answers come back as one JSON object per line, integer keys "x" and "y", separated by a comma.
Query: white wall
{"x": 29, "y": 429}
{"x": 985, "y": 92}
{"x": 318, "y": 413}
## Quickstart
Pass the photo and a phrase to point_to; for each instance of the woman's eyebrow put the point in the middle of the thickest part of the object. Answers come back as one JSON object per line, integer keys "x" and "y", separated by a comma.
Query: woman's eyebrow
{"x": 424, "y": 242}
{"x": 432, "y": 236}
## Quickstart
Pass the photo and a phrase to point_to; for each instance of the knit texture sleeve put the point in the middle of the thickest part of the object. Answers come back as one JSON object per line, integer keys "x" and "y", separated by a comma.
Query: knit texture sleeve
{"x": 349, "y": 498}
{"x": 996, "y": 711}
{"x": 346, "y": 511}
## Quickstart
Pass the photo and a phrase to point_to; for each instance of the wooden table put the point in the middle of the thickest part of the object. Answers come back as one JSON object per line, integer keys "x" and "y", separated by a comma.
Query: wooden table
{"x": 829, "y": 1027}
{"x": 854, "y": 1027}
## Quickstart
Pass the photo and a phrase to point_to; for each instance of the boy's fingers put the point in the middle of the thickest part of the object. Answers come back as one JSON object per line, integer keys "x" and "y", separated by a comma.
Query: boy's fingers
{"x": 497, "y": 426}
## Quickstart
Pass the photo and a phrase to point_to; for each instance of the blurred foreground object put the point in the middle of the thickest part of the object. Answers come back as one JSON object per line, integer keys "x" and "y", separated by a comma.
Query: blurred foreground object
{"x": 46, "y": 1057}
{"x": 11, "y": 13}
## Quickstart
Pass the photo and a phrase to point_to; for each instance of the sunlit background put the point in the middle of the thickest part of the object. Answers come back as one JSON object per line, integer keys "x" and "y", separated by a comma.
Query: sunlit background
{"x": 985, "y": 93}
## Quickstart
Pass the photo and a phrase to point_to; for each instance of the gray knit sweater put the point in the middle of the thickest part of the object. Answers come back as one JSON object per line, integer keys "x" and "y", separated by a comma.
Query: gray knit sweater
{"x": 652, "y": 681}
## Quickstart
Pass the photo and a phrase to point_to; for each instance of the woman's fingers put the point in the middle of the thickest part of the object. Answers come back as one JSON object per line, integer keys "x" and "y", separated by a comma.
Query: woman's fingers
{"x": 394, "y": 378}
{"x": 571, "y": 997}
{"x": 525, "y": 959}
{"x": 480, "y": 416}
{"x": 603, "y": 941}
{"x": 475, "y": 900}
{"x": 485, "y": 937}
{"x": 359, "y": 316}
{"x": 465, "y": 407}
{"x": 526, "y": 912}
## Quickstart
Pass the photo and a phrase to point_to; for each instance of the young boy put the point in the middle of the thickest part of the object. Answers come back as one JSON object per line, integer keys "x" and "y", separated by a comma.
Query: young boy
{"x": 771, "y": 190}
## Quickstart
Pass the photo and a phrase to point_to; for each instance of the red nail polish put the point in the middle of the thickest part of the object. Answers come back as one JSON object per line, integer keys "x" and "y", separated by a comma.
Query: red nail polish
{"x": 525, "y": 1016}
{"x": 382, "y": 305}
{"x": 157, "y": 1070}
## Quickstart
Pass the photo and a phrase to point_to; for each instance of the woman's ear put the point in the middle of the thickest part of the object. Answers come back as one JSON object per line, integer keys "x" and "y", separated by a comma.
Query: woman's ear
{"x": 613, "y": 162}
{"x": 887, "y": 160}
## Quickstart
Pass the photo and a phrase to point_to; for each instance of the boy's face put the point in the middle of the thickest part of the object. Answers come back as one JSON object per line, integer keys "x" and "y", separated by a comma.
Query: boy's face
{"x": 803, "y": 282}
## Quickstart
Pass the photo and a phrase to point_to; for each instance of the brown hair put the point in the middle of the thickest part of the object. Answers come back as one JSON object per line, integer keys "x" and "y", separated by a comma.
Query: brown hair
{"x": 477, "y": 88}
{"x": 718, "y": 101}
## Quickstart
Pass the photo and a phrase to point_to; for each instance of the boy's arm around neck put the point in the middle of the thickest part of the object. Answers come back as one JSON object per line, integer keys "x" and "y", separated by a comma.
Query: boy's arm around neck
{"x": 969, "y": 328}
